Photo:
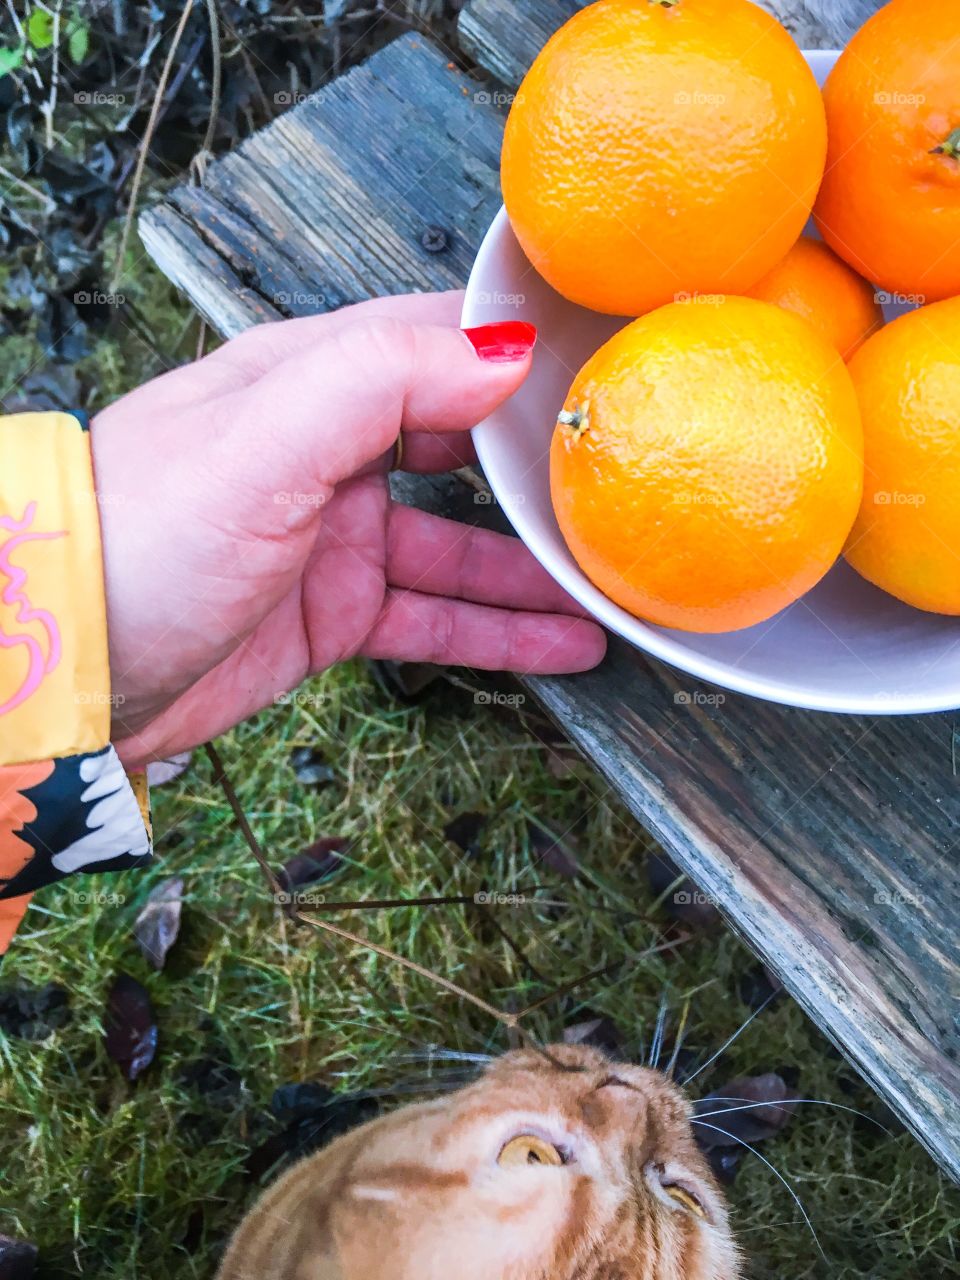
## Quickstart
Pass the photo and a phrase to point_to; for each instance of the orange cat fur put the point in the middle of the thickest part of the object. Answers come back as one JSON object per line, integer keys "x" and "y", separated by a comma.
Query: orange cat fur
{"x": 583, "y": 1171}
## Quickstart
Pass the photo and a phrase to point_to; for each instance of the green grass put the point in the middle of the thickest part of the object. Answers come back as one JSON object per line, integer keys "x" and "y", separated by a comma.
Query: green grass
{"x": 117, "y": 1181}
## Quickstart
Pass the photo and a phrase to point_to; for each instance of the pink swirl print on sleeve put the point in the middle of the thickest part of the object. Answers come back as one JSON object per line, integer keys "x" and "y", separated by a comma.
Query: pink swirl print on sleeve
{"x": 41, "y": 660}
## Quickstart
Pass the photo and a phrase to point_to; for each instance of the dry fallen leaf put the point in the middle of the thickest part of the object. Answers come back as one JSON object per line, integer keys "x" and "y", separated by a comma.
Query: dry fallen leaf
{"x": 310, "y": 767}
{"x": 158, "y": 924}
{"x": 737, "y": 1119}
{"x": 600, "y": 1032}
{"x": 316, "y": 862}
{"x": 465, "y": 831}
{"x": 130, "y": 1035}
{"x": 33, "y": 1012}
{"x": 559, "y": 856}
{"x": 18, "y": 1259}
{"x": 160, "y": 772}
{"x": 312, "y": 1115}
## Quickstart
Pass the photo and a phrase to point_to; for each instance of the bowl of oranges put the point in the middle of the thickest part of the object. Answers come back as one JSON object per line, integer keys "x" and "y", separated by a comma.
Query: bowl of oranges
{"x": 739, "y": 443}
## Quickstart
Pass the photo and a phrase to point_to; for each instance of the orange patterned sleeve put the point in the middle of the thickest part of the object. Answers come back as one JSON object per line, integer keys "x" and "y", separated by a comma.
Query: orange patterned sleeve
{"x": 65, "y": 802}
{"x": 16, "y": 811}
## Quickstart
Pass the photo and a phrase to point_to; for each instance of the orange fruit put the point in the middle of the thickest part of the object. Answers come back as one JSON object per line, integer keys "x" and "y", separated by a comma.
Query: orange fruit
{"x": 659, "y": 147}
{"x": 708, "y": 463}
{"x": 890, "y": 200}
{"x": 906, "y": 538}
{"x": 814, "y": 283}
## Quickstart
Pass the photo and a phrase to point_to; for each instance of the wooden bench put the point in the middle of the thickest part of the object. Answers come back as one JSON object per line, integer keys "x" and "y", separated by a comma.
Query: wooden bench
{"x": 829, "y": 842}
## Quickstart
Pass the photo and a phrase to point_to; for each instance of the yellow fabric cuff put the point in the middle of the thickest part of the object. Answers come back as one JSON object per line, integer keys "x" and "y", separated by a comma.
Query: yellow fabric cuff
{"x": 54, "y": 668}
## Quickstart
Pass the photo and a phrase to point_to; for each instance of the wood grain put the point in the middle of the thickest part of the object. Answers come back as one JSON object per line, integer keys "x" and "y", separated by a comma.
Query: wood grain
{"x": 505, "y": 37}
{"x": 829, "y": 842}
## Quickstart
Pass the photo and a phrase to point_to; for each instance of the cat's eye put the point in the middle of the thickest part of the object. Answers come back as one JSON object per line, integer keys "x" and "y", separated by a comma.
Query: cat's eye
{"x": 527, "y": 1148}
{"x": 684, "y": 1197}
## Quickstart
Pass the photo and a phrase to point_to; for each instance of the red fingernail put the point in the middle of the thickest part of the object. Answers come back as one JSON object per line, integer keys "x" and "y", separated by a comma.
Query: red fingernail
{"x": 503, "y": 342}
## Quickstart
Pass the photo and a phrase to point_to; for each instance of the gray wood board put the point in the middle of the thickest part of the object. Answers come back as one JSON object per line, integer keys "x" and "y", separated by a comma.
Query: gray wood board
{"x": 828, "y": 842}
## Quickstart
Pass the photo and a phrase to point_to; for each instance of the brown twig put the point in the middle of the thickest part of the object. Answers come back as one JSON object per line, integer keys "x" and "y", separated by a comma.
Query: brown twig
{"x": 220, "y": 775}
{"x": 207, "y": 146}
{"x": 567, "y": 987}
{"x": 147, "y": 139}
{"x": 365, "y": 904}
{"x": 517, "y": 950}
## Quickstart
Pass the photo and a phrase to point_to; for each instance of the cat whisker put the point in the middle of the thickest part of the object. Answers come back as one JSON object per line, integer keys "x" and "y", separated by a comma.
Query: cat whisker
{"x": 727, "y": 1043}
{"x": 405, "y": 1087}
{"x": 774, "y": 1170}
{"x": 767, "y": 1226}
{"x": 656, "y": 1044}
{"x": 434, "y": 1053}
{"x": 816, "y": 1102}
{"x": 678, "y": 1041}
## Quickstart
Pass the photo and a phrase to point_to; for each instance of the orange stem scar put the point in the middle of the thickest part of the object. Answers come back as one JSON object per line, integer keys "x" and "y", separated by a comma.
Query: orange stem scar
{"x": 950, "y": 146}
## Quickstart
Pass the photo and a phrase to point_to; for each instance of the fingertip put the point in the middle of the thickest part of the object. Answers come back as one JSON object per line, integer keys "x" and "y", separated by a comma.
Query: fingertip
{"x": 558, "y": 645}
{"x": 587, "y": 645}
{"x": 503, "y": 341}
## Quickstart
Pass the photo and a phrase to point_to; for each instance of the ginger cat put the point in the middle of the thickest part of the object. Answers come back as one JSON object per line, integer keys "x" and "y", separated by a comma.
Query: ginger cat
{"x": 586, "y": 1170}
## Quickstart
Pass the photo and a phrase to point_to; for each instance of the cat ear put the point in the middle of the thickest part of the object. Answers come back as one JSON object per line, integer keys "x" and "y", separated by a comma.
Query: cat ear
{"x": 683, "y": 1191}
{"x": 289, "y": 1224}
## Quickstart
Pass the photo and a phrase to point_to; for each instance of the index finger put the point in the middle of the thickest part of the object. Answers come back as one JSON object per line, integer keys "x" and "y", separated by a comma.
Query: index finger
{"x": 258, "y": 350}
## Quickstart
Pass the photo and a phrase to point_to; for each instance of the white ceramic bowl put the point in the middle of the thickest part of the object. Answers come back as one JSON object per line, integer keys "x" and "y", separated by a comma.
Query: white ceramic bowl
{"x": 845, "y": 646}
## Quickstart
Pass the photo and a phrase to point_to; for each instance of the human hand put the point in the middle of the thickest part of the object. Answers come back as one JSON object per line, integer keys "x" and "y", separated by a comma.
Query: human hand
{"x": 249, "y": 536}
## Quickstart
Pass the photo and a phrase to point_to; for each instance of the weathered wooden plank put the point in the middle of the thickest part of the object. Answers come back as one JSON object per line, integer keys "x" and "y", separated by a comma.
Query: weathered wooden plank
{"x": 418, "y": 179}
{"x": 505, "y": 37}
{"x": 189, "y": 256}
{"x": 828, "y": 842}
